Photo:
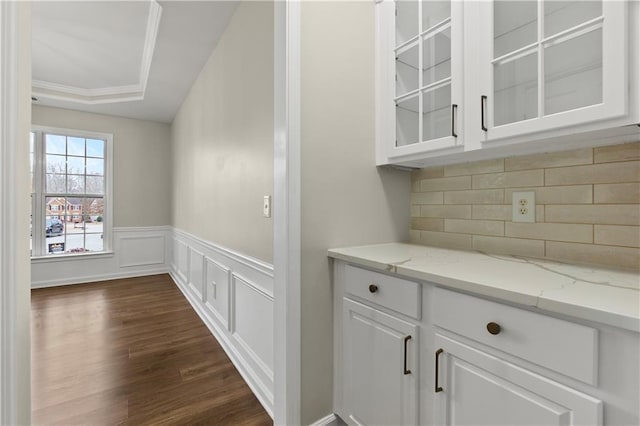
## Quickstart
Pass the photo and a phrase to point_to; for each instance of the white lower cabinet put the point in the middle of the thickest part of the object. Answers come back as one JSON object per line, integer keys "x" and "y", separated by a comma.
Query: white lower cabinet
{"x": 475, "y": 388}
{"x": 409, "y": 352}
{"x": 379, "y": 367}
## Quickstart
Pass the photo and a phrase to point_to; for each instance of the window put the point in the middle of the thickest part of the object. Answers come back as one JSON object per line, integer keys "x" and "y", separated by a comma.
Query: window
{"x": 70, "y": 192}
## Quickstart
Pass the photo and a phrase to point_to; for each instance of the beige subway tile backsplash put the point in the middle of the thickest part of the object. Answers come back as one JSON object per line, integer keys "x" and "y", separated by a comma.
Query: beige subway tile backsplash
{"x": 572, "y": 194}
{"x": 617, "y": 193}
{"x": 446, "y": 239}
{"x": 476, "y": 227}
{"x": 624, "y": 152}
{"x": 447, "y": 183}
{"x": 427, "y": 198}
{"x": 513, "y": 246}
{"x": 459, "y": 212}
{"x": 614, "y": 235}
{"x": 509, "y": 179}
{"x": 465, "y": 169}
{"x": 595, "y": 173}
{"x": 588, "y": 206}
{"x": 613, "y": 214}
{"x": 575, "y": 157}
{"x": 624, "y": 257}
{"x": 491, "y": 212}
{"x": 475, "y": 196}
{"x": 427, "y": 224}
{"x": 572, "y": 232}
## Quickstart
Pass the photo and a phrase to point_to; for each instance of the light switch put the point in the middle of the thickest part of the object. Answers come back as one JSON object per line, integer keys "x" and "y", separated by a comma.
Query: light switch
{"x": 266, "y": 206}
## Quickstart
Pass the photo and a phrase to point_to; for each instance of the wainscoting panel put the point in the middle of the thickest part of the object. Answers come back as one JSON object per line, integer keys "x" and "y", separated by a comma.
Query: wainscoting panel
{"x": 252, "y": 308}
{"x": 218, "y": 278}
{"x": 196, "y": 273}
{"x": 142, "y": 250}
{"x": 233, "y": 294}
{"x": 181, "y": 259}
{"x": 137, "y": 251}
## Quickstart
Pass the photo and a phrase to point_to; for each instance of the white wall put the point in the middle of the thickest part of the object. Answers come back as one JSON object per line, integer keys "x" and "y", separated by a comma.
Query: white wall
{"x": 345, "y": 199}
{"x": 223, "y": 139}
{"x": 141, "y": 163}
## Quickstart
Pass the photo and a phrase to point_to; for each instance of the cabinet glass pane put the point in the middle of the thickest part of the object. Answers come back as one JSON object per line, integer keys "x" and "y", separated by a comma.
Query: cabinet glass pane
{"x": 573, "y": 73}
{"x": 515, "y": 93}
{"x": 407, "y": 70}
{"x": 515, "y": 25}
{"x": 434, "y": 12}
{"x": 436, "y": 57}
{"x": 436, "y": 113}
{"x": 406, "y": 20}
{"x": 407, "y": 121}
{"x": 562, "y": 15}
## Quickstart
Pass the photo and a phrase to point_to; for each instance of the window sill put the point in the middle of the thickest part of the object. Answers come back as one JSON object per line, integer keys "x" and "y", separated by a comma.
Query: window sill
{"x": 69, "y": 257}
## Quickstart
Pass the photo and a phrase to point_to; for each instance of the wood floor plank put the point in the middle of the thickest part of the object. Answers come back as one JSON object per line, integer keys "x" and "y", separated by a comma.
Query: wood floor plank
{"x": 131, "y": 352}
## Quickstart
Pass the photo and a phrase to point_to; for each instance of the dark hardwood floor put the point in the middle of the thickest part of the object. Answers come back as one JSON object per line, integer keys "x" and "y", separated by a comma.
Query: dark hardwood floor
{"x": 131, "y": 351}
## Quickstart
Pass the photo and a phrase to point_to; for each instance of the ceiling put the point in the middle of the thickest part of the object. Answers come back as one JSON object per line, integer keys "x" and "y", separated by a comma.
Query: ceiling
{"x": 135, "y": 59}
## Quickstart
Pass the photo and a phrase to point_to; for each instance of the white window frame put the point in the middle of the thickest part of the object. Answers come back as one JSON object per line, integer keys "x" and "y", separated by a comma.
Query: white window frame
{"x": 38, "y": 195}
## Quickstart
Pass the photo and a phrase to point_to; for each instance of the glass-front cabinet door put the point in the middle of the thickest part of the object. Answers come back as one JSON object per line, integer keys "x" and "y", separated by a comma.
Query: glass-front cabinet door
{"x": 420, "y": 76}
{"x": 549, "y": 64}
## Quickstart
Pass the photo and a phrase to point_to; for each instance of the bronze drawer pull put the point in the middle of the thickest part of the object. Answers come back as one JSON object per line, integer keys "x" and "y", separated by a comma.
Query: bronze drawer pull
{"x": 494, "y": 328}
{"x": 406, "y": 371}
{"x": 373, "y": 288}
{"x": 438, "y": 388}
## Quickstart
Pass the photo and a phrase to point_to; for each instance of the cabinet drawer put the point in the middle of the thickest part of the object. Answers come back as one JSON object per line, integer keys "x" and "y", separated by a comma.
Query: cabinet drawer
{"x": 568, "y": 348}
{"x": 393, "y": 293}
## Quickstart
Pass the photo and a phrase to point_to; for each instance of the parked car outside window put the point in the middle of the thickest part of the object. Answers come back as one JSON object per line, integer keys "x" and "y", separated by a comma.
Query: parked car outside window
{"x": 54, "y": 227}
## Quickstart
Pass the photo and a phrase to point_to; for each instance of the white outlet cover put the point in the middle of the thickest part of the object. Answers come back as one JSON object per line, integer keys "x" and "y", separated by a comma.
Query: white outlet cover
{"x": 523, "y": 206}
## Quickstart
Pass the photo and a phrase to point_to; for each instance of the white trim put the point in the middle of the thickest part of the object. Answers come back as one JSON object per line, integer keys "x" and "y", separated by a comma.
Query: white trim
{"x": 39, "y": 189}
{"x": 286, "y": 219}
{"x": 164, "y": 228}
{"x": 70, "y": 257}
{"x": 14, "y": 380}
{"x": 331, "y": 419}
{"x": 102, "y": 95}
{"x": 249, "y": 261}
{"x": 98, "y": 278}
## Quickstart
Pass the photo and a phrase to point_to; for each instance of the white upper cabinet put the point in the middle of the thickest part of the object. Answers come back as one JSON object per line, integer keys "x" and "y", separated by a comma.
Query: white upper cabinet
{"x": 549, "y": 64}
{"x": 420, "y": 77}
{"x": 458, "y": 76}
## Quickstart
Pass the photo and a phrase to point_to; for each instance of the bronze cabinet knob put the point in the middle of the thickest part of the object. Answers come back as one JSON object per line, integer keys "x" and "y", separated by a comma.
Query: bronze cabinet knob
{"x": 373, "y": 288}
{"x": 493, "y": 328}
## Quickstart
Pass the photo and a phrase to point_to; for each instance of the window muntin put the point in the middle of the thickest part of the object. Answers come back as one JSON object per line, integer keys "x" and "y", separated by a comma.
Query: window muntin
{"x": 70, "y": 198}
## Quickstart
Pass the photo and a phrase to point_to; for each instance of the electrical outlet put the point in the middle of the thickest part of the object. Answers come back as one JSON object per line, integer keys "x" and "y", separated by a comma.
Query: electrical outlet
{"x": 266, "y": 206}
{"x": 524, "y": 206}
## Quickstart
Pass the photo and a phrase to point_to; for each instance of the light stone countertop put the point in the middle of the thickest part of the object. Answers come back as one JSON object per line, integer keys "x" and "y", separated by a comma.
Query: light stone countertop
{"x": 606, "y": 296}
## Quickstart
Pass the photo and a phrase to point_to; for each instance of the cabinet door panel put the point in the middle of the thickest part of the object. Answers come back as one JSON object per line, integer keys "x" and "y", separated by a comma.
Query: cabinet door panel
{"x": 480, "y": 389}
{"x": 547, "y": 64}
{"x": 376, "y": 389}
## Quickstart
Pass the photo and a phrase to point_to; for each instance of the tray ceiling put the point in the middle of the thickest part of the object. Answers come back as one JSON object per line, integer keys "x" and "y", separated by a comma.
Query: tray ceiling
{"x": 129, "y": 58}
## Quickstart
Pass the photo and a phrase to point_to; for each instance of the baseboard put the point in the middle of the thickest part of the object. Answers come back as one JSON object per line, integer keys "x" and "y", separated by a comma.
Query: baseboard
{"x": 331, "y": 419}
{"x": 98, "y": 278}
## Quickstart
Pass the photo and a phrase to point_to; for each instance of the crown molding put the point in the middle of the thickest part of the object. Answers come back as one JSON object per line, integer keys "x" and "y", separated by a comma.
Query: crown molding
{"x": 102, "y": 95}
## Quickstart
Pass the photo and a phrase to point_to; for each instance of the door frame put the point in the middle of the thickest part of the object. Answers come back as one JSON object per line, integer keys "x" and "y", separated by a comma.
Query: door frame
{"x": 286, "y": 209}
{"x": 15, "y": 282}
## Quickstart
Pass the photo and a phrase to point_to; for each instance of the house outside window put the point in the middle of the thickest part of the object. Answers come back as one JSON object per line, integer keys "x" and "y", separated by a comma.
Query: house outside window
{"x": 71, "y": 181}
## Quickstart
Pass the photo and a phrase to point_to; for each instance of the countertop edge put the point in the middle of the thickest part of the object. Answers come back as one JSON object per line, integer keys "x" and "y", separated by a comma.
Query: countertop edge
{"x": 544, "y": 303}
